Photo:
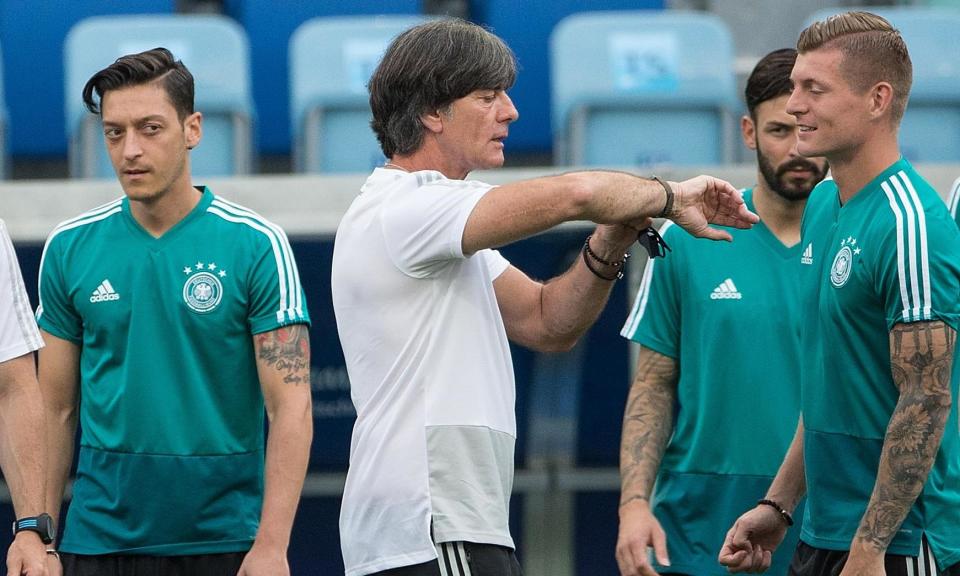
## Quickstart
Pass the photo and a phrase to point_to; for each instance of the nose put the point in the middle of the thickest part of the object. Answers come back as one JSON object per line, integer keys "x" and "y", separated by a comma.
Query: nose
{"x": 508, "y": 112}
{"x": 131, "y": 145}
{"x": 794, "y": 103}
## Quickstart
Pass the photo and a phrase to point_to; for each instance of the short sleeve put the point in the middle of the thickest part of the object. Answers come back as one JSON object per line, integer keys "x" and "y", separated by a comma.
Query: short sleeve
{"x": 495, "y": 262}
{"x": 654, "y": 320}
{"x": 18, "y": 330}
{"x": 56, "y": 313}
{"x": 918, "y": 271}
{"x": 423, "y": 228}
{"x": 276, "y": 296}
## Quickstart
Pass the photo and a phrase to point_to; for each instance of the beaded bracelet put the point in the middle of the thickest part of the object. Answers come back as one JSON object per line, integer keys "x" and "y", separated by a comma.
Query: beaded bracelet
{"x": 618, "y": 266}
{"x": 783, "y": 513}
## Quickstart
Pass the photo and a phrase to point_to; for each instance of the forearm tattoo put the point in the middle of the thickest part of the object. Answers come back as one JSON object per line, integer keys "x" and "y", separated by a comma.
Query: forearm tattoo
{"x": 921, "y": 356}
{"x": 647, "y": 424}
{"x": 287, "y": 350}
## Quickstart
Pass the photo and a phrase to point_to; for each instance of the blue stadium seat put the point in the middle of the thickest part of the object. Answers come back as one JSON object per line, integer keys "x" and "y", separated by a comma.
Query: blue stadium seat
{"x": 930, "y": 131}
{"x": 525, "y": 26}
{"x": 269, "y": 30}
{"x": 642, "y": 88}
{"x": 33, "y": 62}
{"x": 331, "y": 60}
{"x": 215, "y": 50}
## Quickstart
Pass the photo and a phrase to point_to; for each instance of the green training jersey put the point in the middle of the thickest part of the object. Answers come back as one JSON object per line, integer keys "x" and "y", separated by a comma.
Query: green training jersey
{"x": 729, "y": 314}
{"x": 887, "y": 256}
{"x": 943, "y": 508}
{"x": 171, "y": 411}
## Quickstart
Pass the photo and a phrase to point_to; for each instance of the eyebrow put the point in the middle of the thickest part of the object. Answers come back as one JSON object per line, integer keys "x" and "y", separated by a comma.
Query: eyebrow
{"x": 138, "y": 121}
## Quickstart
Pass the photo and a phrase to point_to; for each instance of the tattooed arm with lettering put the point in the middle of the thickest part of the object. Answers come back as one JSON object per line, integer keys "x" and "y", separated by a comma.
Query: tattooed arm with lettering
{"x": 921, "y": 356}
{"x": 283, "y": 364}
{"x": 647, "y": 426}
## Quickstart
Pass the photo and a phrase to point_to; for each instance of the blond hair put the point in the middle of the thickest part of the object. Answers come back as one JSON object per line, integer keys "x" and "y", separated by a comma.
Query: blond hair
{"x": 873, "y": 51}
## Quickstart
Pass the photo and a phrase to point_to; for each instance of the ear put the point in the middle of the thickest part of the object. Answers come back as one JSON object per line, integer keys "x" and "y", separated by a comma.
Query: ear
{"x": 193, "y": 129}
{"x": 881, "y": 99}
{"x": 432, "y": 121}
{"x": 748, "y": 130}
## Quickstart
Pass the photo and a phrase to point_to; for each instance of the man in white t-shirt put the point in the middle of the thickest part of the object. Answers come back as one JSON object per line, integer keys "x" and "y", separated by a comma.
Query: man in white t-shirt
{"x": 425, "y": 306}
{"x": 23, "y": 455}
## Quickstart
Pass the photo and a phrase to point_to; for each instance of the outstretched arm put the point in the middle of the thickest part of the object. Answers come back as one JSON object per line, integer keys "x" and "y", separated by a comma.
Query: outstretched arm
{"x": 647, "y": 426}
{"x": 283, "y": 364}
{"x": 521, "y": 209}
{"x": 921, "y": 357}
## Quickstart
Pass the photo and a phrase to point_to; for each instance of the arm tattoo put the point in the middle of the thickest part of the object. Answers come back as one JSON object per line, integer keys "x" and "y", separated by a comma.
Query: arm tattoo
{"x": 647, "y": 424}
{"x": 287, "y": 350}
{"x": 921, "y": 355}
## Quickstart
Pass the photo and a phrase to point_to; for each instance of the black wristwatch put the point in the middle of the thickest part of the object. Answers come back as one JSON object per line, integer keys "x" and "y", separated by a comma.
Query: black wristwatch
{"x": 42, "y": 525}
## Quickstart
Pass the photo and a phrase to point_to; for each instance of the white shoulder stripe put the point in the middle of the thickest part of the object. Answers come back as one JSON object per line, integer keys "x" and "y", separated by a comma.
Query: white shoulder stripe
{"x": 954, "y": 200}
{"x": 95, "y": 215}
{"x": 926, "y": 304}
{"x": 287, "y": 309}
{"x": 912, "y": 253}
{"x": 292, "y": 272}
{"x": 109, "y": 206}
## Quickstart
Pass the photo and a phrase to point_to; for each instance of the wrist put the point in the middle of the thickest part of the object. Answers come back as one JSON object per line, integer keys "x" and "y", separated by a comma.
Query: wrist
{"x": 775, "y": 506}
{"x": 632, "y": 503}
{"x": 677, "y": 200}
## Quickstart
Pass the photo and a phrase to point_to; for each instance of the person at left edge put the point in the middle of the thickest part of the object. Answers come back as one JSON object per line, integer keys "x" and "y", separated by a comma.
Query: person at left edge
{"x": 172, "y": 318}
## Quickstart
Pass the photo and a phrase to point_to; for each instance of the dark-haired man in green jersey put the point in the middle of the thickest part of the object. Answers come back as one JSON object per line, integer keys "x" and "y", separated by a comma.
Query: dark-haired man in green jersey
{"x": 172, "y": 318}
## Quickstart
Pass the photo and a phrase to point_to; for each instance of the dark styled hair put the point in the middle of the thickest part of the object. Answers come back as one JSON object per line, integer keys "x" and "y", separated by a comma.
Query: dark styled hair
{"x": 137, "y": 69}
{"x": 769, "y": 79}
{"x": 428, "y": 67}
{"x": 873, "y": 51}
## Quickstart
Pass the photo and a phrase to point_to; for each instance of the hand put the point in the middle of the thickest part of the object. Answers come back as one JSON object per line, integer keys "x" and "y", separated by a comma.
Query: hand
{"x": 707, "y": 200}
{"x": 750, "y": 543}
{"x": 27, "y": 556}
{"x": 54, "y": 567}
{"x": 265, "y": 561}
{"x": 639, "y": 530}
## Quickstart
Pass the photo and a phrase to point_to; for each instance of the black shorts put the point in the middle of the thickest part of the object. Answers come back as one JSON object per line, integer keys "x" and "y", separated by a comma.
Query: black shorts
{"x": 810, "y": 561}
{"x": 139, "y": 565}
{"x": 463, "y": 559}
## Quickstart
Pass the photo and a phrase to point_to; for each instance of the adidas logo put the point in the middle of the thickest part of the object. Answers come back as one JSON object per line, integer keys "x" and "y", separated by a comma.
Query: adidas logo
{"x": 104, "y": 293}
{"x": 726, "y": 291}
{"x": 807, "y": 257}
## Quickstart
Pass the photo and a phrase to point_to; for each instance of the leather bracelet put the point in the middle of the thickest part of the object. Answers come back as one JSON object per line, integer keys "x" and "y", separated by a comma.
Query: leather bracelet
{"x": 618, "y": 266}
{"x": 669, "y": 204}
{"x": 780, "y": 509}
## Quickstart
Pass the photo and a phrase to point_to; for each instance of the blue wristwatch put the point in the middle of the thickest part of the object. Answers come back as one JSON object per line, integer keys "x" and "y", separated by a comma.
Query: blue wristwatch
{"x": 42, "y": 525}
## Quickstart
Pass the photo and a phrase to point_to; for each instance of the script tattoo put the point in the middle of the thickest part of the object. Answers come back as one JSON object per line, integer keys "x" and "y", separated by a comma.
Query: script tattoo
{"x": 287, "y": 350}
{"x": 921, "y": 355}
{"x": 647, "y": 424}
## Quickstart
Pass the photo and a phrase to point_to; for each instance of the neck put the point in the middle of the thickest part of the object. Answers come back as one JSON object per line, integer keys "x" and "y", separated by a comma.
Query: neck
{"x": 160, "y": 214}
{"x": 854, "y": 170}
{"x": 780, "y": 215}
{"x": 429, "y": 156}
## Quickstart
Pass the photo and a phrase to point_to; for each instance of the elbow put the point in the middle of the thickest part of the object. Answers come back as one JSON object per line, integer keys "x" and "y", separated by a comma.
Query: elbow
{"x": 557, "y": 343}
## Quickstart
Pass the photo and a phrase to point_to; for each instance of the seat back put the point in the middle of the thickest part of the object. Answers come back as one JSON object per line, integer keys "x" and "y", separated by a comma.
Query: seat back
{"x": 642, "y": 88}
{"x": 930, "y": 130}
{"x": 214, "y": 49}
{"x": 331, "y": 60}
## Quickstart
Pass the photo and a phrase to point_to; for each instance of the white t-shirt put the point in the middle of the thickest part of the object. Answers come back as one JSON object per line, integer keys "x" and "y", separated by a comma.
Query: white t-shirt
{"x": 430, "y": 373}
{"x": 18, "y": 329}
